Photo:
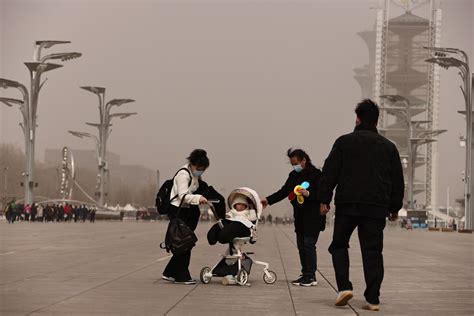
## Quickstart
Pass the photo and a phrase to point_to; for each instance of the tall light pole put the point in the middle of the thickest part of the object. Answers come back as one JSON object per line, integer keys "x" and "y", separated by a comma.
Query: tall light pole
{"x": 5, "y": 176}
{"x": 158, "y": 178}
{"x": 415, "y": 138}
{"x": 57, "y": 181}
{"x": 29, "y": 103}
{"x": 453, "y": 57}
{"x": 105, "y": 119}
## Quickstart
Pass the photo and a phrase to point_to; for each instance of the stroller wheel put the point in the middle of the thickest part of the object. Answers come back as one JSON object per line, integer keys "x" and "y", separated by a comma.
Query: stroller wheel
{"x": 205, "y": 275}
{"x": 242, "y": 277}
{"x": 269, "y": 277}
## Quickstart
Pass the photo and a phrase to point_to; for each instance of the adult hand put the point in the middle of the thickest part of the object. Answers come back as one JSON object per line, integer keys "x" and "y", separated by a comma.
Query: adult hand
{"x": 324, "y": 209}
{"x": 393, "y": 217}
{"x": 202, "y": 200}
{"x": 264, "y": 202}
{"x": 304, "y": 192}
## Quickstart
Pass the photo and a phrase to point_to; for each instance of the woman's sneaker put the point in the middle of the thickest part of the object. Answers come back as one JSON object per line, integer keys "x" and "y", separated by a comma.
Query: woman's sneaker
{"x": 308, "y": 282}
{"x": 297, "y": 281}
{"x": 167, "y": 278}
{"x": 188, "y": 282}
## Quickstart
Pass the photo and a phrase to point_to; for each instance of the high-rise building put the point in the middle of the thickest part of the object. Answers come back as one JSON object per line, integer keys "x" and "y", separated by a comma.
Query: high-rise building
{"x": 397, "y": 67}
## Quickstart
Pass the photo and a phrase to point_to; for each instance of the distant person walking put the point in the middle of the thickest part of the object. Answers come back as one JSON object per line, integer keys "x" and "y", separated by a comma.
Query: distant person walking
{"x": 367, "y": 171}
{"x": 92, "y": 215}
{"x": 308, "y": 220}
{"x": 185, "y": 187}
{"x": 10, "y": 212}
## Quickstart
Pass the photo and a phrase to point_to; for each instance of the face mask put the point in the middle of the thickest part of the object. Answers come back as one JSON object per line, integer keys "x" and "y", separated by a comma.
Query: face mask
{"x": 297, "y": 168}
{"x": 198, "y": 173}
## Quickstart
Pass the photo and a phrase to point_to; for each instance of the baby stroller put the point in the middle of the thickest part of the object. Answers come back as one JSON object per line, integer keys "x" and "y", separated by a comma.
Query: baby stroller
{"x": 235, "y": 261}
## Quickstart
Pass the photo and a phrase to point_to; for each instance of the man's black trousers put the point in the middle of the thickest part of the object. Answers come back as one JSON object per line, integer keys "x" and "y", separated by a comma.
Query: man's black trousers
{"x": 370, "y": 231}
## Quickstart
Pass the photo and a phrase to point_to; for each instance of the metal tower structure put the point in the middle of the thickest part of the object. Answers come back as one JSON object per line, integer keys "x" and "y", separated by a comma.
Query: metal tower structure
{"x": 397, "y": 71}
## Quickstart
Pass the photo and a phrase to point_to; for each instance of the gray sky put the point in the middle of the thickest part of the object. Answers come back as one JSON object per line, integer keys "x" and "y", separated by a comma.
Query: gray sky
{"x": 243, "y": 79}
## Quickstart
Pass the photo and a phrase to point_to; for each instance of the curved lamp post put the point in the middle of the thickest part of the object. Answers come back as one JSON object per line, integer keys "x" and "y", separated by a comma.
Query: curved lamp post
{"x": 89, "y": 135}
{"x": 103, "y": 126}
{"x": 29, "y": 103}
{"x": 414, "y": 139}
{"x": 454, "y": 57}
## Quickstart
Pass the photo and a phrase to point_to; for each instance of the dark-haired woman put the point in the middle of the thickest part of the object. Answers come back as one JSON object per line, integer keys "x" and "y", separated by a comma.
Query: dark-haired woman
{"x": 185, "y": 187}
{"x": 308, "y": 220}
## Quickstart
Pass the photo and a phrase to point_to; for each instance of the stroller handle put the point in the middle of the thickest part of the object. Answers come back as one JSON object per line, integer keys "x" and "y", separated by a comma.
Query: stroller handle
{"x": 213, "y": 209}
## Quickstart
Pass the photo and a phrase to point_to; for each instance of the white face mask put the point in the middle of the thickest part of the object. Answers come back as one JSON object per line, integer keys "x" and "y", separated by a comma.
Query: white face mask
{"x": 198, "y": 173}
{"x": 297, "y": 168}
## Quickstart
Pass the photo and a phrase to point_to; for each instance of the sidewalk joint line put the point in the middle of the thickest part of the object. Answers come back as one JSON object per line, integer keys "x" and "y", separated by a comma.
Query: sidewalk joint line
{"x": 284, "y": 271}
{"x": 319, "y": 271}
{"x": 181, "y": 299}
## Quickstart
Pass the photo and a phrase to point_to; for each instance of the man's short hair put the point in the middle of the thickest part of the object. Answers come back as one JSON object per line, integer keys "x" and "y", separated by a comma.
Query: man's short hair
{"x": 368, "y": 112}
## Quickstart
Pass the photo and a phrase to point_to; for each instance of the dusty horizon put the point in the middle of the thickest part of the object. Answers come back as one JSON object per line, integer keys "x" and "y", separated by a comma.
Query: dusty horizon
{"x": 245, "y": 80}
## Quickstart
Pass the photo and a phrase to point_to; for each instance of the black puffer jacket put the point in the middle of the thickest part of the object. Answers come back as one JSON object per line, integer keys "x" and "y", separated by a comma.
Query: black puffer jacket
{"x": 308, "y": 219}
{"x": 366, "y": 169}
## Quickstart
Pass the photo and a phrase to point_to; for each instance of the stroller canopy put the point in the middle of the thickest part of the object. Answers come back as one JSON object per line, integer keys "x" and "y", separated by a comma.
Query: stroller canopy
{"x": 249, "y": 193}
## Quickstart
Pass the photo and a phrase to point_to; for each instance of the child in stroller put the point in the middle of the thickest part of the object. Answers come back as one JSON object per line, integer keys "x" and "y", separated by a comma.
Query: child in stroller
{"x": 240, "y": 221}
{"x": 237, "y": 229}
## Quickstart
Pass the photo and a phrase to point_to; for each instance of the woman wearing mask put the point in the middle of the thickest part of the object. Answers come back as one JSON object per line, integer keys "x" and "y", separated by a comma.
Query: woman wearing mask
{"x": 185, "y": 189}
{"x": 308, "y": 220}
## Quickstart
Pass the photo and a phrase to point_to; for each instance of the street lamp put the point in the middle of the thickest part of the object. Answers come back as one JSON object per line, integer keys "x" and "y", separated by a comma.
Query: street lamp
{"x": 5, "y": 176}
{"x": 29, "y": 103}
{"x": 415, "y": 138}
{"x": 89, "y": 135}
{"x": 453, "y": 57}
{"x": 105, "y": 119}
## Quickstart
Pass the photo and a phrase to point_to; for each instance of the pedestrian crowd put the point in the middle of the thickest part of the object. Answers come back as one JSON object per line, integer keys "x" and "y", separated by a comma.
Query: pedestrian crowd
{"x": 19, "y": 212}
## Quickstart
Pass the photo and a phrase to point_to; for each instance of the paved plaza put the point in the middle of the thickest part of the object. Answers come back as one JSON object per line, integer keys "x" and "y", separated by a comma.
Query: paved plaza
{"x": 114, "y": 268}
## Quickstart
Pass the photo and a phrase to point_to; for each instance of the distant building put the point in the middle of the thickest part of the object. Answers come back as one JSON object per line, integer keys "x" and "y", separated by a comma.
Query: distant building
{"x": 133, "y": 177}
{"x": 397, "y": 67}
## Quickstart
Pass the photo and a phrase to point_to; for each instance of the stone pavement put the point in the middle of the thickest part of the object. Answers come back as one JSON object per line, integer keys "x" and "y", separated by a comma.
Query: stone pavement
{"x": 114, "y": 268}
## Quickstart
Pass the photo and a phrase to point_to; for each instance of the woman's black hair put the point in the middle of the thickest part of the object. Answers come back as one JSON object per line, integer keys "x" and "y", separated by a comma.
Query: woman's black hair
{"x": 300, "y": 154}
{"x": 198, "y": 157}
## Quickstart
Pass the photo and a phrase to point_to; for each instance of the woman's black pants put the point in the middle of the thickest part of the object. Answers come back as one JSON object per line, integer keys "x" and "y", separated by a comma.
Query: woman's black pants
{"x": 306, "y": 243}
{"x": 178, "y": 266}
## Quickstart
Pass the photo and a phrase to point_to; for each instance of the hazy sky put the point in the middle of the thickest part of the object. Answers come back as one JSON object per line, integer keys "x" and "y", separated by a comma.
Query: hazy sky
{"x": 245, "y": 80}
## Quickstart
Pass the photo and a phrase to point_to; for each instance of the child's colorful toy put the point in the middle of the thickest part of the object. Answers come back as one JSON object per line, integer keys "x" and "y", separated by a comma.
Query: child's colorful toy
{"x": 297, "y": 192}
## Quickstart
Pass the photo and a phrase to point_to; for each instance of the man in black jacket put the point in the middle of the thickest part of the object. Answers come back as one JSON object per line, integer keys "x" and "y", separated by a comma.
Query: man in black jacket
{"x": 367, "y": 171}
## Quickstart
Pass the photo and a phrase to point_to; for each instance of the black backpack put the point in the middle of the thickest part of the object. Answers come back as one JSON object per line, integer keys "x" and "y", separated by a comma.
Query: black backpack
{"x": 179, "y": 237}
{"x": 163, "y": 198}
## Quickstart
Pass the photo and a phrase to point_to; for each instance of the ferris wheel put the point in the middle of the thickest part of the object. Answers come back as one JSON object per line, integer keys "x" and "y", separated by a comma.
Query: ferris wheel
{"x": 68, "y": 174}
